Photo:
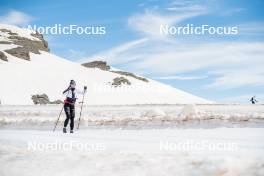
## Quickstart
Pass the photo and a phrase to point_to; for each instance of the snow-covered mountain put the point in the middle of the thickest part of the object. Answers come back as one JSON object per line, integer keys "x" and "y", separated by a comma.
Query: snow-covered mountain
{"x": 27, "y": 68}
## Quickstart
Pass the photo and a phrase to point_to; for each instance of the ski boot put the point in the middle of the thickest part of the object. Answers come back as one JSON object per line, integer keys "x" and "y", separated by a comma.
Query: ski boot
{"x": 71, "y": 131}
{"x": 64, "y": 130}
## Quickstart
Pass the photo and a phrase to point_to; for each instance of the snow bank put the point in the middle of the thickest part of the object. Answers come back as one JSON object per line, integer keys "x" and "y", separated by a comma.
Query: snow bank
{"x": 191, "y": 112}
{"x": 134, "y": 116}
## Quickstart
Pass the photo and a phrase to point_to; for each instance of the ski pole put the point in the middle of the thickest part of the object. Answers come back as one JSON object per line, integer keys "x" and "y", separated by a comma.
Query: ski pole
{"x": 84, "y": 91}
{"x": 59, "y": 115}
{"x": 58, "y": 119}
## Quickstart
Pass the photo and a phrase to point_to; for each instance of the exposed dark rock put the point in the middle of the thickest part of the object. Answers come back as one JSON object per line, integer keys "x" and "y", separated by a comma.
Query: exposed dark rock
{"x": 19, "y": 52}
{"x": 40, "y": 37}
{"x": 97, "y": 64}
{"x": 5, "y": 42}
{"x": 103, "y": 66}
{"x": 130, "y": 74}
{"x": 31, "y": 45}
{"x": 120, "y": 80}
{"x": 8, "y": 31}
{"x": 25, "y": 45}
{"x": 5, "y": 30}
{"x": 12, "y": 33}
{"x": 44, "y": 99}
{"x": 56, "y": 102}
{"x": 40, "y": 99}
{"x": 3, "y": 56}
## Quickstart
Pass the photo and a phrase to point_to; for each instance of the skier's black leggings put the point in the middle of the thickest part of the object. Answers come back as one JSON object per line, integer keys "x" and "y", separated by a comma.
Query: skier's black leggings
{"x": 70, "y": 114}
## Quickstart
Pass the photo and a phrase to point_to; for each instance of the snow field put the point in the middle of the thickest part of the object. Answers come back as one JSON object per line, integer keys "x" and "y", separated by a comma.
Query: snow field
{"x": 133, "y": 152}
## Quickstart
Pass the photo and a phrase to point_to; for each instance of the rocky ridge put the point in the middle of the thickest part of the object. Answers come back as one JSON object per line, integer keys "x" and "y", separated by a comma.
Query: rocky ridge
{"x": 24, "y": 45}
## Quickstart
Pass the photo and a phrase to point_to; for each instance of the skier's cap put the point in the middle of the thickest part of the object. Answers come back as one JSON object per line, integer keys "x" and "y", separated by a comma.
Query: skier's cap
{"x": 72, "y": 84}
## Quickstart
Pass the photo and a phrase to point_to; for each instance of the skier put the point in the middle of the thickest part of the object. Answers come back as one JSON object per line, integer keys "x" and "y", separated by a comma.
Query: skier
{"x": 253, "y": 100}
{"x": 69, "y": 105}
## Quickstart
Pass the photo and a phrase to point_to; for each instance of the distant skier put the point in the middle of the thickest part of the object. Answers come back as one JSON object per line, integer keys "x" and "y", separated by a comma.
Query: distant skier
{"x": 69, "y": 105}
{"x": 253, "y": 100}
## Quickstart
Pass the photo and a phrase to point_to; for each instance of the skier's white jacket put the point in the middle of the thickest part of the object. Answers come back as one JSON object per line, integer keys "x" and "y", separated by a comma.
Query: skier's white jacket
{"x": 76, "y": 91}
{"x": 71, "y": 96}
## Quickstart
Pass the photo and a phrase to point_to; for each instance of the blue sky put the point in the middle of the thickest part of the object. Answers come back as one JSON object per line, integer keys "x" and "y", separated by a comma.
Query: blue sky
{"x": 217, "y": 67}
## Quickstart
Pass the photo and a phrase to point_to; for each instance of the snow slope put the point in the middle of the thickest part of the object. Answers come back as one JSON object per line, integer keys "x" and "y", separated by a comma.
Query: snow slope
{"x": 50, "y": 74}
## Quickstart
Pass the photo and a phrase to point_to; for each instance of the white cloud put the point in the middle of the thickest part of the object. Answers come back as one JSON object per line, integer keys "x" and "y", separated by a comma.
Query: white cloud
{"x": 228, "y": 64}
{"x": 253, "y": 75}
{"x": 75, "y": 54}
{"x": 231, "y": 64}
{"x": 233, "y": 11}
{"x": 193, "y": 8}
{"x": 112, "y": 55}
{"x": 227, "y": 61}
{"x": 149, "y": 22}
{"x": 181, "y": 77}
{"x": 252, "y": 29}
{"x": 16, "y": 18}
